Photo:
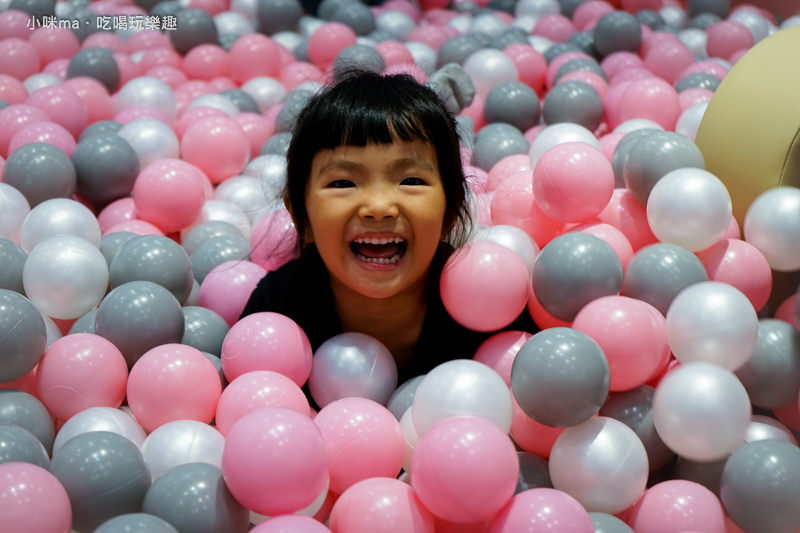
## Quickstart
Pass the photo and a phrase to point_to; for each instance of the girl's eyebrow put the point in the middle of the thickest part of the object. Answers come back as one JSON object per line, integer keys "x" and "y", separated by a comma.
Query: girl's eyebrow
{"x": 402, "y": 163}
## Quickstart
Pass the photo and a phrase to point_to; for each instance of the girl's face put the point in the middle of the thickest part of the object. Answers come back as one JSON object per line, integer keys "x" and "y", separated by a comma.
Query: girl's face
{"x": 375, "y": 214}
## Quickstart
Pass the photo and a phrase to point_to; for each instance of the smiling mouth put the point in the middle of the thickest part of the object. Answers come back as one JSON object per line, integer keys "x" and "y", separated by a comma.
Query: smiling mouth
{"x": 381, "y": 251}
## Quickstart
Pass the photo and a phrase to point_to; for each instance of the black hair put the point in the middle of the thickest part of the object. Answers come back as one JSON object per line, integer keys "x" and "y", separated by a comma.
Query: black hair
{"x": 364, "y": 107}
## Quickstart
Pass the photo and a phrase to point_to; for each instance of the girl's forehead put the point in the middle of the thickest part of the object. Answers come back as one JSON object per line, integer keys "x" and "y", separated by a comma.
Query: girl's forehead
{"x": 399, "y": 149}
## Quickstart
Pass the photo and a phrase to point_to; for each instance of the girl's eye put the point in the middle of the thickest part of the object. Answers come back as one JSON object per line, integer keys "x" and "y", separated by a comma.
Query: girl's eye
{"x": 341, "y": 184}
{"x": 413, "y": 181}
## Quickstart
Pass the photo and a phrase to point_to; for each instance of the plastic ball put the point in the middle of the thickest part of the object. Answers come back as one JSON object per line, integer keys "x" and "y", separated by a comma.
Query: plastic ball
{"x": 678, "y": 503}
{"x": 701, "y": 411}
{"x": 617, "y": 31}
{"x": 769, "y": 373}
{"x": 151, "y": 139}
{"x": 18, "y": 445}
{"x": 352, "y": 364}
{"x": 461, "y": 387}
{"x": 180, "y": 442}
{"x": 97, "y": 63}
{"x": 101, "y": 466}
{"x": 770, "y": 224}
{"x": 545, "y": 508}
{"x": 25, "y": 410}
{"x": 169, "y": 193}
{"x": 714, "y": 322}
{"x": 65, "y": 276}
{"x": 464, "y": 469}
{"x": 363, "y": 439}
{"x": 217, "y": 146}
{"x": 146, "y": 91}
{"x": 764, "y": 427}
{"x": 658, "y": 272}
{"x": 572, "y": 270}
{"x": 200, "y": 233}
{"x": 106, "y": 168}
{"x": 134, "y": 522}
{"x": 497, "y": 141}
{"x": 33, "y": 499}
{"x": 754, "y": 483}
{"x": 218, "y": 250}
{"x": 380, "y": 504}
{"x": 138, "y": 316}
{"x": 601, "y": 463}
{"x": 100, "y": 419}
{"x": 325, "y": 43}
{"x": 12, "y": 259}
{"x": 18, "y": 58}
{"x": 555, "y": 134}
{"x": 274, "y": 461}
{"x": 573, "y": 102}
{"x": 204, "y": 329}
{"x": 513, "y": 238}
{"x": 46, "y": 132}
{"x": 267, "y": 341}
{"x": 23, "y": 331}
{"x": 512, "y": 102}
{"x": 40, "y": 171}
{"x": 740, "y": 264}
{"x": 561, "y": 184}
{"x": 59, "y": 216}
{"x": 227, "y": 288}
{"x": 273, "y": 242}
{"x": 489, "y": 68}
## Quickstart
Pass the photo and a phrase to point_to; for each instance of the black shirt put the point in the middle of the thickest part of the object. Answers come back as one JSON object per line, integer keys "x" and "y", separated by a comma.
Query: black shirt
{"x": 301, "y": 290}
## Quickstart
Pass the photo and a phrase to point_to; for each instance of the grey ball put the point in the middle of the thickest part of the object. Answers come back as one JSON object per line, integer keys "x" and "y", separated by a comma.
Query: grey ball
{"x": 193, "y": 27}
{"x": 556, "y": 49}
{"x": 577, "y": 64}
{"x": 357, "y": 16}
{"x": 40, "y": 171}
{"x": 758, "y": 484}
{"x": 617, "y": 31}
{"x": 218, "y": 250}
{"x": 699, "y": 80}
{"x": 514, "y": 103}
{"x": 193, "y": 497}
{"x": 720, "y": 8}
{"x": 568, "y": 6}
{"x": 243, "y": 101}
{"x": 291, "y": 106}
{"x": 658, "y": 272}
{"x": 623, "y": 150}
{"x": 153, "y": 258}
{"x": 97, "y": 63}
{"x": 106, "y": 168}
{"x": 510, "y": 36}
{"x": 771, "y": 375}
{"x": 703, "y": 21}
{"x": 23, "y": 335}
{"x": 651, "y": 19}
{"x": 136, "y": 523}
{"x": 111, "y": 243}
{"x": 585, "y": 41}
{"x": 34, "y": 8}
{"x": 138, "y": 316}
{"x": 534, "y": 472}
{"x": 200, "y": 233}
{"x": 83, "y": 22}
{"x": 278, "y": 15}
{"x": 457, "y": 49}
{"x": 495, "y": 141}
{"x": 357, "y": 57}
{"x": 18, "y": 445}
{"x": 12, "y": 261}
{"x": 101, "y": 127}
{"x": 277, "y": 144}
{"x": 27, "y": 411}
{"x": 85, "y": 323}
{"x": 572, "y": 270}
{"x": 204, "y": 329}
{"x": 573, "y": 101}
{"x": 104, "y": 475}
{"x": 606, "y": 523}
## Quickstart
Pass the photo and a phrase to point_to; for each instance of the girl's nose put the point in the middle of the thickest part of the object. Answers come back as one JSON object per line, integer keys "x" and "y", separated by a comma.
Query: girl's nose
{"x": 378, "y": 204}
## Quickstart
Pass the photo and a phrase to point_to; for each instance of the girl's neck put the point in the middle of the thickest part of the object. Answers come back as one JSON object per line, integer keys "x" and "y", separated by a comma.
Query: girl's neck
{"x": 396, "y": 322}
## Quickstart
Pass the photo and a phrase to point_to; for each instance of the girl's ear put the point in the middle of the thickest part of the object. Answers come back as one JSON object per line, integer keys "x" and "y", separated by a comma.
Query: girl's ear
{"x": 307, "y": 235}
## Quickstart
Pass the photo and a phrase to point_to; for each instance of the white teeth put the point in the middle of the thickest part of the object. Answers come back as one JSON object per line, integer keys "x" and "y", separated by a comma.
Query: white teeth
{"x": 380, "y": 260}
{"x": 381, "y": 240}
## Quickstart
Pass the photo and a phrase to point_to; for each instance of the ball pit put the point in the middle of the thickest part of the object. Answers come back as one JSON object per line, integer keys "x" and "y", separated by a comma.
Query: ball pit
{"x": 142, "y": 164}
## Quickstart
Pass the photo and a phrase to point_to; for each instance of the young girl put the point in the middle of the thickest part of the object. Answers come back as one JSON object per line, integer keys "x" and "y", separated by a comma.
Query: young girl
{"x": 377, "y": 193}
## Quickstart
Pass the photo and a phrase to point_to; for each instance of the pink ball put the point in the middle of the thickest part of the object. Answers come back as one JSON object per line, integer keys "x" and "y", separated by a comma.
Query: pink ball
{"x": 591, "y": 78}
{"x": 588, "y": 13}
{"x": 173, "y": 382}
{"x": 273, "y": 240}
{"x": 394, "y": 53}
{"x": 507, "y": 166}
{"x": 104, "y": 39}
{"x": 218, "y": 146}
{"x": 531, "y": 65}
{"x": 15, "y": 117}
{"x": 609, "y": 142}
{"x": 94, "y": 96}
{"x": 146, "y": 40}
{"x": 572, "y": 182}
{"x": 256, "y": 128}
{"x": 33, "y": 499}
{"x": 170, "y": 75}
{"x": 484, "y": 285}
{"x": 14, "y": 23}
{"x": 464, "y": 469}
{"x": 192, "y": 115}
{"x": 169, "y": 194}
{"x": 618, "y": 61}
{"x": 57, "y": 67}
{"x": 629, "y": 216}
{"x": 128, "y": 68}
{"x": 327, "y": 41}
{"x": 255, "y": 390}
{"x": 668, "y": 60}
{"x": 80, "y": 371}
{"x": 530, "y": 435}
{"x": 253, "y": 55}
{"x": 290, "y": 523}
{"x": 163, "y": 56}
{"x": 742, "y": 265}
{"x": 117, "y": 212}
{"x": 43, "y": 132}
{"x": 134, "y": 112}
{"x": 12, "y": 90}
{"x": 274, "y": 461}
{"x": 63, "y": 106}
{"x": 559, "y": 61}
{"x": 694, "y": 95}
{"x": 267, "y": 341}
{"x": 380, "y": 505}
{"x": 137, "y": 227}
{"x": 18, "y": 58}
{"x": 542, "y": 316}
{"x": 726, "y": 37}
{"x": 363, "y": 439}
{"x": 543, "y": 509}
{"x": 612, "y": 236}
{"x": 54, "y": 43}
{"x": 299, "y": 72}
{"x": 632, "y": 334}
{"x": 513, "y": 205}
{"x": 500, "y": 350}
{"x": 555, "y": 27}
{"x": 653, "y": 99}
{"x": 706, "y": 66}
{"x": 206, "y": 62}
{"x": 678, "y": 505}
{"x": 228, "y": 286}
